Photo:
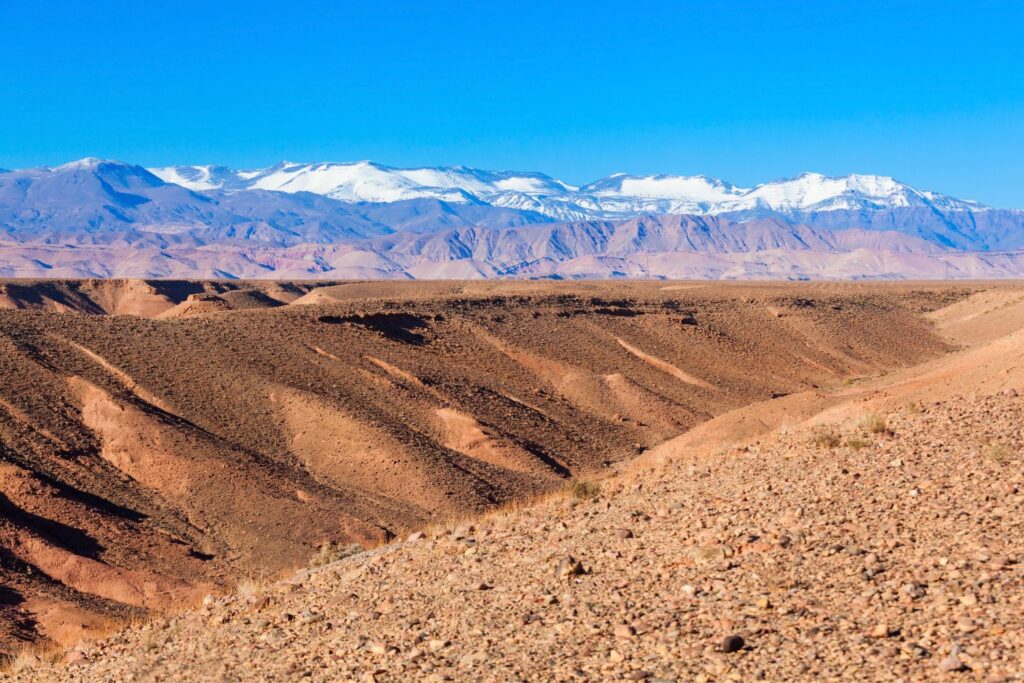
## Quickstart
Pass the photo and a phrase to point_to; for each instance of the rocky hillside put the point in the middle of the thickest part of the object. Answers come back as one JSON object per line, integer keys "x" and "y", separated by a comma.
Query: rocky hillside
{"x": 868, "y": 532}
{"x": 170, "y": 450}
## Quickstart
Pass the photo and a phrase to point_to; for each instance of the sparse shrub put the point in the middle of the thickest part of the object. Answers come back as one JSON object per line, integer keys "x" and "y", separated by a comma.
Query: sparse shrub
{"x": 26, "y": 660}
{"x": 250, "y": 588}
{"x": 857, "y": 443}
{"x": 583, "y": 490}
{"x": 996, "y": 452}
{"x": 150, "y": 641}
{"x": 876, "y": 424}
{"x": 825, "y": 436}
{"x": 332, "y": 552}
{"x": 915, "y": 408}
{"x": 32, "y": 657}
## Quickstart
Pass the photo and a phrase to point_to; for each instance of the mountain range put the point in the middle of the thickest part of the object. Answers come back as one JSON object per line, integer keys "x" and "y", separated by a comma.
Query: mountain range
{"x": 617, "y": 196}
{"x": 100, "y": 218}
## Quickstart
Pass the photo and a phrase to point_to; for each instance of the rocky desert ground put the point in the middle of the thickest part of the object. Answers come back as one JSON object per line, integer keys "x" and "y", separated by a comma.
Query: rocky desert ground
{"x": 511, "y": 481}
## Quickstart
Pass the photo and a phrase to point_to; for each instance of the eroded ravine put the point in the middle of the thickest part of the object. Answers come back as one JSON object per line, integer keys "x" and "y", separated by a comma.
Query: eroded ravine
{"x": 177, "y": 455}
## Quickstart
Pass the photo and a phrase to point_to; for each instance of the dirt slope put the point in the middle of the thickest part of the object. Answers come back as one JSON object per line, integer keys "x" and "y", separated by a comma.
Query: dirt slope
{"x": 846, "y": 544}
{"x": 152, "y": 460}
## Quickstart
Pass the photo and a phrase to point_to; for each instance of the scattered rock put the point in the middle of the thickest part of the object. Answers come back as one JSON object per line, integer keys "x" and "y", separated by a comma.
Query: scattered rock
{"x": 624, "y": 632}
{"x": 952, "y": 663}
{"x": 569, "y": 567}
{"x": 881, "y": 631}
{"x": 707, "y": 554}
{"x": 733, "y": 643}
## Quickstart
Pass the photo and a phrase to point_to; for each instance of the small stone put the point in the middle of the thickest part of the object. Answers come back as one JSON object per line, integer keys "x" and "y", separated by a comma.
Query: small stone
{"x": 616, "y": 656}
{"x": 913, "y": 590}
{"x": 880, "y": 631}
{"x": 308, "y": 617}
{"x": 968, "y": 600}
{"x": 966, "y": 626}
{"x": 438, "y": 644}
{"x": 706, "y": 554}
{"x": 473, "y": 658}
{"x": 413, "y": 537}
{"x": 377, "y": 647}
{"x": 624, "y": 631}
{"x": 733, "y": 643}
{"x": 952, "y": 663}
{"x": 568, "y": 567}
{"x": 624, "y": 533}
{"x": 764, "y": 603}
{"x": 638, "y": 675}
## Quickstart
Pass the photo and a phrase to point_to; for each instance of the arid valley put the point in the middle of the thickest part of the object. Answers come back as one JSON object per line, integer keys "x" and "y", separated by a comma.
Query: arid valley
{"x": 646, "y": 480}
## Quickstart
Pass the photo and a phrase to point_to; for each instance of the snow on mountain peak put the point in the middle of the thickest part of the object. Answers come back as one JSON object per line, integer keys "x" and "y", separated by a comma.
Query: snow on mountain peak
{"x": 693, "y": 188}
{"x": 817, "y": 192}
{"x": 84, "y": 163}
{"x": 616, "y": 196}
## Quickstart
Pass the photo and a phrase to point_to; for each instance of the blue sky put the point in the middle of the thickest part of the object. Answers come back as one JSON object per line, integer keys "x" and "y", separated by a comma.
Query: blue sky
{"x": 929, "y": 92}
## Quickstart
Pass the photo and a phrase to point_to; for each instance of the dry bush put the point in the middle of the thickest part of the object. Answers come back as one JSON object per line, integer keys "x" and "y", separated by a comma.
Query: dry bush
{"x": 915, "y": 408}
{"x": 251, "y": 588}
{"x": 876, "y": 424}
{"x": 997, "y": 452}
{"x": 332, "y": 552}
{"x": 825, "y": 436}
{"x": 583, "y": 490}
{"x": 857, "y": 443}
{"x": 33, "y": 656}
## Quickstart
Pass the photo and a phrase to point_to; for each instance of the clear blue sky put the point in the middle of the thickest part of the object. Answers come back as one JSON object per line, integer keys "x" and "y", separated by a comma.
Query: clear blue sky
{"x": 929, "y": 92}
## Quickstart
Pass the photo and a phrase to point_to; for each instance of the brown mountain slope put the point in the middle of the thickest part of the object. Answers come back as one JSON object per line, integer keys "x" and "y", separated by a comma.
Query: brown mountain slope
{"x": 871, "y": 531}
{"x": 149, "y": 461}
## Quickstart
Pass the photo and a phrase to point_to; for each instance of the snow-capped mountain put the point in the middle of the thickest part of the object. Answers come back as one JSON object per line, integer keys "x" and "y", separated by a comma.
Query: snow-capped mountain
{"x": 365, "y": 181}
{"x": 98, "y": 218}
{"x": 816, "y": 192}
{"x": 95, "y": 201}
{"x": 617, "y": 196}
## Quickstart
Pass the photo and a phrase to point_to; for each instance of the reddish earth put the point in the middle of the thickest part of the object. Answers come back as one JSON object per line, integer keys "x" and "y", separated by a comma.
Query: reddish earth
{"x": 162, "y": 441}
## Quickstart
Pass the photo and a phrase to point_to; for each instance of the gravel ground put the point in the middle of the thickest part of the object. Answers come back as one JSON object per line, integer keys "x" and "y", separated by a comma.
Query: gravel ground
{"x": 887, "y": 548}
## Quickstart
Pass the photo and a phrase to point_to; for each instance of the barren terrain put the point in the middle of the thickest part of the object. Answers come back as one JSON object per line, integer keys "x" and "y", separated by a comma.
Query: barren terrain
{"x": 829, "y": 472}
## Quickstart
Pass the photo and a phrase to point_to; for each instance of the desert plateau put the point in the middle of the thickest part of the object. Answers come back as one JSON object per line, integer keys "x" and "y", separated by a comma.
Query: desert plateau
{"x": 512, "y": 342}
{"x": 511, "y": 481}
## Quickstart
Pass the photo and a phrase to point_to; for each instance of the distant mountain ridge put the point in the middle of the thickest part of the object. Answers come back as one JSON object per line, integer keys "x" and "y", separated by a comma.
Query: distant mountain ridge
{"x": 617, "y": 196}
{"x": 100, "y": 218}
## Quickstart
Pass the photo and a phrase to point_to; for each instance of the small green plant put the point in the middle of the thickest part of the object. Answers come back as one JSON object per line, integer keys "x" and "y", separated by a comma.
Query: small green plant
{"x": 332, "y": 552}
{"x": 825, "y": 436}
{"x": 583, "y": 490}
